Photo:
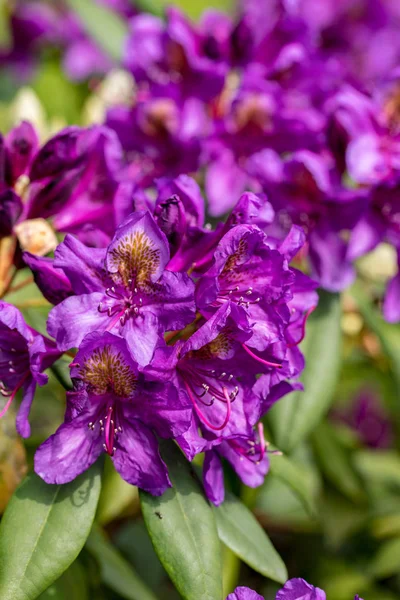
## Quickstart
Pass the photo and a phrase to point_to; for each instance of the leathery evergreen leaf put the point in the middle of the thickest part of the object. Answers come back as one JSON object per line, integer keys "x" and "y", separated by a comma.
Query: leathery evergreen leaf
{"x": 43, "y": 530}
{"x": 240, "y": 531}
{"x": 182, "y": 528}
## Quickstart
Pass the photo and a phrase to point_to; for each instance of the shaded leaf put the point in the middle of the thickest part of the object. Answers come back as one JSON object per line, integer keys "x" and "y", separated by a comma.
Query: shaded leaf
{"x": 42, "y": 532}
{"x": 116, "y": 572}
{"x": 297, "y": 479}
{"x": 334, "y": 460}
{"x": 388, "y": 333}
{"x": 72, "y": 585}
{"x": 387, "y": 560}
{"x": 295, "y": 416}
{"x": 183, "y": 531}
{"x": 240, "y": 531}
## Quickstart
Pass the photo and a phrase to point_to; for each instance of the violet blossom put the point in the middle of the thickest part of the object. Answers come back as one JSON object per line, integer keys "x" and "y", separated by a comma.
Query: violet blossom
{"x": 24, "y": 355}
{"x": 112, "y": 409}
{"x": 123, "y": 288}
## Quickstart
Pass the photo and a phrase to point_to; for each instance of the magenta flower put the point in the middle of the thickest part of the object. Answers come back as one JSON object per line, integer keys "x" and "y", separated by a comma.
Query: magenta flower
{"x": 123, "y": 289}
{"x": 113, "y": 409}
{"x": 24, "y": 355}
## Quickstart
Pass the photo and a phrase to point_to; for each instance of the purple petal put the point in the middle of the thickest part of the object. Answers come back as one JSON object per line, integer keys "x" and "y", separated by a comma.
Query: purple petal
{"x": 244, "y": 593}
{"x": 251, "y": 473}
{"x": 391, "y": 305}
{"x": 213, "y": 478}
{"x": 138, "y": 461}
{"x": 52, "y": 282}
{"x": 21, "y": 143}
{"x": 331, "y": 267}
{"x": 299, "y": 589}
{"x": 83, "y": 266}
{"x": 72, "y": 319}
{"x": 142, "y": 334}
{"x": 175, "y": 301}
{"x": 22, "y": 422}
{"x": 225, "y": 182}
{"x": 70, "y": 451}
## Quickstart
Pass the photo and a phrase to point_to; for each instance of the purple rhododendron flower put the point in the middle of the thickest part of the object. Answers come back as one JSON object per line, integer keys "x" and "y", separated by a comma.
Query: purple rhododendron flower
{"x": 244, "y": 593}
{"x": 299, "y": 589}
{"x": 25, "y": 354}
{"x": 112, "y": 409}
{"x": 123, "y": 289}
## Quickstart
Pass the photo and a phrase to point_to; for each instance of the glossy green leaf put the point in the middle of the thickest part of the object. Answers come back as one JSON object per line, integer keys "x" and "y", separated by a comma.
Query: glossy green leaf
{"x": 42, "y": 532}
{"x": 297, "y": 479}
{"x": 115, "y": 571}
{"x": 294, "y": 417}
{"x": 103, "y": 25}
{"x": 241, "y": 532}
{"x": 183, "y": 531}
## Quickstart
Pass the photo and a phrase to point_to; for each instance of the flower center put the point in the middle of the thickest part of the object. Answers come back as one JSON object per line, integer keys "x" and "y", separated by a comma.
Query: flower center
{"x": 109, "y": 428}
{"x": 122, "y": 303}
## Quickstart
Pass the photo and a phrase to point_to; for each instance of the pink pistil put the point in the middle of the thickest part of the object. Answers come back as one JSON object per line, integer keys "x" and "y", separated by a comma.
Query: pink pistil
{"x": 200, "y": 414}
{"x": 261, "y": 360}
{"x": 12, "y": 396}
{"x": 109, "y": 433}
{"x": 263, "y": 445}
{"x": 115, "y": 320}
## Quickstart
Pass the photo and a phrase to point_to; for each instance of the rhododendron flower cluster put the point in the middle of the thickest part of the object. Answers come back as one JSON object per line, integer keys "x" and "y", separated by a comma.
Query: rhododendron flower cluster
{"x": 180, "y": 331}
{"x": 294, "y": 589}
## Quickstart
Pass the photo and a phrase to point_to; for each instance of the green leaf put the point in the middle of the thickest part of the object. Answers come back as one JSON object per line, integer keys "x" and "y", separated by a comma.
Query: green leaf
{"x": 42, "y": 532}
{"x": 388, "y": 333}
{"x": 386, "y": 562}
{"x": 297, "y": 479}
{"x": 382, "y": 467}
{"x": 5, "y": 26}
{"x": 71, "y": 585}
{"x": 116, "y": 572}
{"x": 334, "y": 461}
{"x": 241, "y": 532}
{"x": 294, "y": 417}
{"x": 183, "y": 531}
{"x": 103, "y": 25}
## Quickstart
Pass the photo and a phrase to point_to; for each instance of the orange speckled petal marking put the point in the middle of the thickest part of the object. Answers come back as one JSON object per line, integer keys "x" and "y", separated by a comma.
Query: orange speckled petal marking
{"x": 107, "y": 371}
{"x": 138, "y": 253}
